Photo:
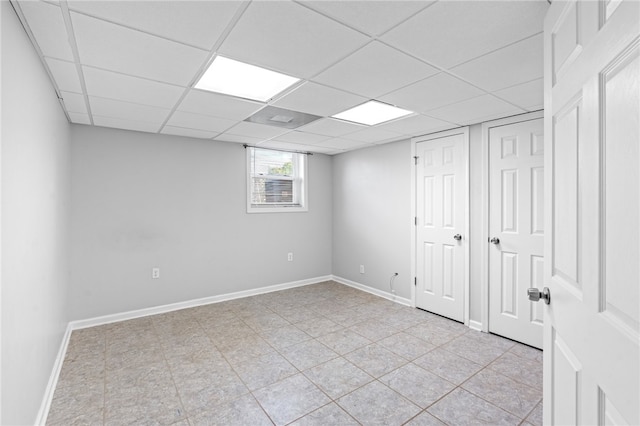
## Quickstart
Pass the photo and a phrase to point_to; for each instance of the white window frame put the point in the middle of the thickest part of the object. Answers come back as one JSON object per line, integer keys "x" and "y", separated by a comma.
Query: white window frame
{"x": 300, "y": 184}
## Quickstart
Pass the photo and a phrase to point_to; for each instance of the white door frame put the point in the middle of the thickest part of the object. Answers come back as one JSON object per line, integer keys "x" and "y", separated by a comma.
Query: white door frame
{"x": 464, "y": 131}
{"x": 484, "y": 235}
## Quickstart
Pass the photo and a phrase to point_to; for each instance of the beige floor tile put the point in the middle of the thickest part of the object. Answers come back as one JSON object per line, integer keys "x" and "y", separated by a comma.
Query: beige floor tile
{"x": 308, "y": 354}
{"x": 239, "y": 362}
{"x": 432, "y": 333}
{"x": 519, "y": 369}
{"x": 535, "y": 417}
{"x": 376, "y": 404}
{"x": 514, "y": 397}
{"x": 417, "y": 385}
{"x": 283, "y": 337}
{"x": 264, "y": 370}
{"x": 330, "y": 414}
{"x": 338, "y": 377}
{"x": 343, "y": 341}
{"x": 463, "y": 408}
{"x": 240, "y": 412}
{"x": 406, "y": 345}
{"x": 375, "y": 359}
{"x": 448, "y": 365}
{"x": 424, "y": 419}
{"x": 290, "y": 399}
{"x": 319, "y": 326}
{"x": 473, "y": 350}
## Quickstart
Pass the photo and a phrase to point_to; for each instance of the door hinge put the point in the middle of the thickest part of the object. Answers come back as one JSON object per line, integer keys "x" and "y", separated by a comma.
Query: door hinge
{"x": 415, "y": 220}
{"x": 415, "y": 281}
{"x": 415, "y": 160}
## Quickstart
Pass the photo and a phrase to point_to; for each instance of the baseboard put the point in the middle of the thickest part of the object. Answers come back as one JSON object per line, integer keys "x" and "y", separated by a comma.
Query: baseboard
{"x": 53, "y": 379}
{"x": 374, "y": 291}
{"x": 139, "y": 313}
{"x": 475, "y": 325}
{"x": 123, "y": 316}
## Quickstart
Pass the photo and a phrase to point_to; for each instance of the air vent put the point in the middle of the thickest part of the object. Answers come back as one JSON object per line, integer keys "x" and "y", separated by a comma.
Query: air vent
{"x": 280, "y": 117}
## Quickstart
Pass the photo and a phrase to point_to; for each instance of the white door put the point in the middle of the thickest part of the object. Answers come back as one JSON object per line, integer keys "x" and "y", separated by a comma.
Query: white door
{"x": 592, "y": 251}
{"x": 516, "y": 226}
{"x": 441, "y": 175}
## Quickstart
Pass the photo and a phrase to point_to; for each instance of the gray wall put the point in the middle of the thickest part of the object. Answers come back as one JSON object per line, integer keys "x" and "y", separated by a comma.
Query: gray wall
{"x": 35, "y": 224}
{"x": 143, "y": 200}
{"x": 372, "y": 216}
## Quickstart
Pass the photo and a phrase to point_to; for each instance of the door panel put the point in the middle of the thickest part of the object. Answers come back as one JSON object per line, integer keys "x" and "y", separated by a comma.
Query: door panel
{"x": 440, "y": 204}
{"x": 592, "y": 113}
{"x": 516, "y": 206}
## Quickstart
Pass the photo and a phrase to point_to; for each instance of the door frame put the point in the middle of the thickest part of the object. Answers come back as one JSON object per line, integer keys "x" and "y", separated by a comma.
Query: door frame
{"x": 484, "y": 234}
{"x": 464, "y": 131}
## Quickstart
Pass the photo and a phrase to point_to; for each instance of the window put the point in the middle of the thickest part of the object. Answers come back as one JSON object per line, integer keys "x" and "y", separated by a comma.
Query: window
{"x": 276, "y": 181}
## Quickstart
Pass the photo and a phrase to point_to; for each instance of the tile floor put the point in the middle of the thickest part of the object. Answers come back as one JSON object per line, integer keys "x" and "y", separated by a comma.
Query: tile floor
{"x": 324, "y": 354}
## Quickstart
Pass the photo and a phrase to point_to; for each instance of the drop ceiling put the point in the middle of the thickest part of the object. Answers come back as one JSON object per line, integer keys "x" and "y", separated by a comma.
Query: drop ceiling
{"x": 134, "y": 64}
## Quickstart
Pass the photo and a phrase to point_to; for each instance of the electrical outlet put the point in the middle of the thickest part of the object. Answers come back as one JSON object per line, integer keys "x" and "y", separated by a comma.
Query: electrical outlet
{"x": 290, "y": 257}
{"x": 362, "y": 269}
{"x": 155, "y": 273}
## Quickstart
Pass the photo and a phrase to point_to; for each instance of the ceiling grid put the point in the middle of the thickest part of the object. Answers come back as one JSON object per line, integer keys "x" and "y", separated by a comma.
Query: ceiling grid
{"x": 135, "y": 64}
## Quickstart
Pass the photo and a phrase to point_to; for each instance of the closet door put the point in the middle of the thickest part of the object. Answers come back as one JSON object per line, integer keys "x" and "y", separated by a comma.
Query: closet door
{"x": 516, "y": 229}
{"x": 440, "y": 222}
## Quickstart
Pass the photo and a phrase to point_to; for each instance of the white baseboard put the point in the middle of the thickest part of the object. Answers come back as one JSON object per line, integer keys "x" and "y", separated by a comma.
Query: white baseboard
{"x": 475, "y": 325}
{"x": 138, "y": 313}
{"x": 123, "y": 316}
{"x": 375, "y": 291}
{"x": 43, "y": 412}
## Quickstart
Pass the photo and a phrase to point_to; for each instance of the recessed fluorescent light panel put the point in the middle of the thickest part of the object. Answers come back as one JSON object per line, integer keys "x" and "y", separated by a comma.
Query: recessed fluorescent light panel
{"x": 372, "y": 113}
{"x": 235, "y": 78}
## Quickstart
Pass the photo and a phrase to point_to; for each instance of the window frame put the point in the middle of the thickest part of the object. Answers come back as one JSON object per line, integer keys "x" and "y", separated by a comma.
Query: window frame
{"x": 299, "y": 185}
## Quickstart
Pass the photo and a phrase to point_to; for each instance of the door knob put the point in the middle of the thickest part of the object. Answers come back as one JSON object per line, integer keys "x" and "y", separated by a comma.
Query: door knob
{"x": 535, "y": 295}
{"x": 495, "y": 240}
{"x": 457, "y": 237}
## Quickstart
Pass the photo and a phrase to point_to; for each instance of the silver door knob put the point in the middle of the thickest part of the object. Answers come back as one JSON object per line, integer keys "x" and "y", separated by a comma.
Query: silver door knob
{"x": 535, "y": 295}
{"x": 494, "y": 240}
{"x": 457, "y": 237}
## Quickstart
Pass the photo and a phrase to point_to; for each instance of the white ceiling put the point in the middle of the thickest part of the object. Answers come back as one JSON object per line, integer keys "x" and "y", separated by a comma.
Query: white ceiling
{"x": 133, "y": 64}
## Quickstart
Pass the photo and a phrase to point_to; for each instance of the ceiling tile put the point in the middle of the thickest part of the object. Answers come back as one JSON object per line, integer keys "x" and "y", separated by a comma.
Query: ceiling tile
{"x": 515, "y": 64}
{"x": 65, "y": 74}
{"x": 256, "y": 130}
{"x": 289, "y": 38}
{"x": 375, "y": 134}
{"x": 118, "y": 123}
{"x": 331, "y": 127}
{"x": 463, "y": 30}
{"x": 374, "y": 70}
{"x": 74, "y": 102}
{"x": 301, "y": 137}
{"x": 192, "y": 133}
{"x": 317, "y": 99}
{"x": 417, "y": 125}
{"x": 529, "y": 96}
{"x": 344, "y": 144}
{"x": 216, "y": 105}
{"x": 433, "y": 92}
{"x": 200, "y": 122}
{"x": 79, "y": 118}
{"x": 371, "y": 17}
{"x": 476, "y": 110}
{"x": 226, "y": 137}
{"x": 293, "y": 146}
{"x": 108, "y": 84}
{"x": 198, "y": 23}
{"x": 113, "y": 47}
{"x": 48, "y": 28}
{"x": 127, "y": 111}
